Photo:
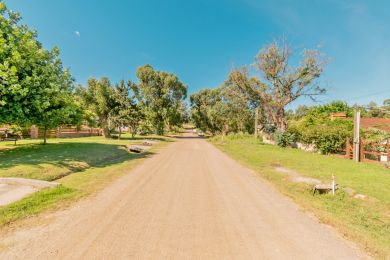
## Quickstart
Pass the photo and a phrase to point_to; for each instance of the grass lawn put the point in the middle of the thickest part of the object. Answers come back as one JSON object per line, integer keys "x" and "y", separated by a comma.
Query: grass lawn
{"x": 365, "y": 221}
{"x": 81, "y": 165}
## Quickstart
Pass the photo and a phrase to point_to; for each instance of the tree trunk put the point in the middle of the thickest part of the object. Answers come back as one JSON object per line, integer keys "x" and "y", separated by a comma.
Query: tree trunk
{"x": 106, "y": 129}
{"x": 281, "y": 120}
{"x": 120, "y": 132}
{"x": 106, "y": 132}
{"x": 225, "y": 129}
{"x": 133, "y": 131}
{"x": 256, "y": 120}
{"x": 160, "y": 125}
{"x": 44, "y": 135}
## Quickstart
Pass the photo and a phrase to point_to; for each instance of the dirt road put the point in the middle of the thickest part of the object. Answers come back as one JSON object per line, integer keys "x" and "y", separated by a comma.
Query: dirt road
{"x": 190, "y": 201}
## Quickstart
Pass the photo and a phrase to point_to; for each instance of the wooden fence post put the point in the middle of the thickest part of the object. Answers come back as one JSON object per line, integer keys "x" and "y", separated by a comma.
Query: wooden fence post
{"x": 347, "y": 149}
{"x": 58, "y": 133}
{"x": 361, "y": 155}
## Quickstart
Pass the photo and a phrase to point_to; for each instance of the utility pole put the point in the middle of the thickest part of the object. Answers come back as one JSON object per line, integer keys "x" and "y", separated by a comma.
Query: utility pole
{"x": 256, "y": 121}
{"x": 356, "y": 135}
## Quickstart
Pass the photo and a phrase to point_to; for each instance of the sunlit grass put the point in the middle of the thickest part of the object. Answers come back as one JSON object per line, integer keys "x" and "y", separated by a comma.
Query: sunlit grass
{"x": 365, "y": 221}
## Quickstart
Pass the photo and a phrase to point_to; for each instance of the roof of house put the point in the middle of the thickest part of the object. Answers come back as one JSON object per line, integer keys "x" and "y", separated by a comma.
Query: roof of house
{"x": 378, "y": 123}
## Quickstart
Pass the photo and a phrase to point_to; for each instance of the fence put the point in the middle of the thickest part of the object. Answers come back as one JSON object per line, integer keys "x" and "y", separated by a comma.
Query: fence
{"x": 66, "y": 132}
{"x": 369, "y": 151}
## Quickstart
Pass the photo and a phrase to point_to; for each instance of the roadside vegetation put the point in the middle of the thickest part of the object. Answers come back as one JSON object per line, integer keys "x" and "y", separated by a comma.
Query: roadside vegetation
{"x": 35, "y": 89}
{"x": 82, "y": 166}
{"x": 366, "y": 221}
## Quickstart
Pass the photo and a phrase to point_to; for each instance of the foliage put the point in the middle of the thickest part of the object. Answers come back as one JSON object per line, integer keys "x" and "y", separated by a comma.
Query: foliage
{"x": 284, "y": 139}
{"x": 126, "y": 112}
{"x": 34, "y": 87}
{"x": 161, "y": 95}
{"x": 280, "y": 84}
{"x": 374, "y": 135}
{"x": 99, "y": 97}
{"x": 328, "y": 136}
{"x": 221, "y": 110}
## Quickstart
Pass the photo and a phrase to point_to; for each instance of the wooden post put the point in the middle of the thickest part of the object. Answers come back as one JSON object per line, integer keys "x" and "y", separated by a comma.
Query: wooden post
{"x": 348, "y": 149}
{"x": 58, "y": 135}
{"x": 361, "y": 152}
{"x": 388, "y": 150}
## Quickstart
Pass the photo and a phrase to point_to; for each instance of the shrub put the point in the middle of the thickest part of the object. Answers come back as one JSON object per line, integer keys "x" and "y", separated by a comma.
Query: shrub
{"x": 284, "y": 139}
{"x": 328, "y": 136}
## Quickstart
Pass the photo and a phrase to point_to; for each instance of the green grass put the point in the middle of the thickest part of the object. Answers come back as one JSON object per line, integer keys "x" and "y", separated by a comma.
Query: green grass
{"x": 60, "y": 157}
{"x": 91, "y": 163}
{"x": 365, "y": 221}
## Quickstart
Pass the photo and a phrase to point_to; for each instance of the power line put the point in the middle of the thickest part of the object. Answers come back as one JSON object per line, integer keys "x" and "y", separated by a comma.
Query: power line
{"x": 369, "y": 95}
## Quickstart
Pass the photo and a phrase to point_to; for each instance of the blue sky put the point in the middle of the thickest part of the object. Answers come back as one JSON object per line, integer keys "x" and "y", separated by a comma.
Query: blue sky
{"x": 202, "y": 40}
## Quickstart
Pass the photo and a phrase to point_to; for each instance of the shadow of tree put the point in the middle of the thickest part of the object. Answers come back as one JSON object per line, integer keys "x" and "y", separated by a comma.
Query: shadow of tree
{"x": 56, "y": 160}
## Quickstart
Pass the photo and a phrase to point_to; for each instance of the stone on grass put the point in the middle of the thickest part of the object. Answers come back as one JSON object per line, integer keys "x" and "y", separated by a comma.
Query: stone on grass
{"x": 360, "y": 196}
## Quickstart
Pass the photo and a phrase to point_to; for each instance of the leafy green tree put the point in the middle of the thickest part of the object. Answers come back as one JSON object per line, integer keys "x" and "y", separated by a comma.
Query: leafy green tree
{"x": 21, "y": 56}
{"x": 34, "y": 87}
{"x": 160, "y": 94}
{"x": 373, "y": 110}
{"x": 56, "y": 105}
{"x": 203, "y": 110}
{"x": 126, "y": 113}
{"x": 221, "y": 110}
{"x": 99, "y": 97}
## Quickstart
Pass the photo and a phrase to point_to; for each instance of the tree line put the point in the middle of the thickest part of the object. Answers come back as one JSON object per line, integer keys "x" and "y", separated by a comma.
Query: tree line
{"x": 35, "y": 89}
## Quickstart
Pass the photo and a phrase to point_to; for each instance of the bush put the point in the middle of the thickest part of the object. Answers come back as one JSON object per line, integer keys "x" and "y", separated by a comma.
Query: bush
{"x": 328, "y": 136}
{"x": 284, "y": 139}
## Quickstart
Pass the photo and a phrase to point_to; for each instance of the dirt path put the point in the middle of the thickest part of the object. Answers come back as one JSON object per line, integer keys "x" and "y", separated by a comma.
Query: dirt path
{"x": 190, "y": 201}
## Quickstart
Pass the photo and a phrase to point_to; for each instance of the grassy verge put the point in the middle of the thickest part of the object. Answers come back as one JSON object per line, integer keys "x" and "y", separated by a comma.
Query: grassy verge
{"x": 365, "y": 221}
{"x": 99, "y": 168}
{"x": 60, "y": 157}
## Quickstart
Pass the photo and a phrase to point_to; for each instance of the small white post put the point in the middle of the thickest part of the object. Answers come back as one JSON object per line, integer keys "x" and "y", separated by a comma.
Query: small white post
{"x": 357, "y": 135}
{"x": 333, "y": 185}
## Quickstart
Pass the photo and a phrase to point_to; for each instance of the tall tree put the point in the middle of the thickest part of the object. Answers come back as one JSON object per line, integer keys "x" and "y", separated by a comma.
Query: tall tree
{"x": 34, "y": 87}
{"x": 99, "y": 97}
{"x": 126, "y": 113}
{"x": 221, "y": 110}
{"x": 279, "y": 83}
{"x": 160, "y": 93}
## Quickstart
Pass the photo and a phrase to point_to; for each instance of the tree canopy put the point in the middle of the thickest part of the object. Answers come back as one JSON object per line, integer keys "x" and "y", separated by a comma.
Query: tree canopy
{"x": 161, "y": 94}
{"x": 34, "y": 87}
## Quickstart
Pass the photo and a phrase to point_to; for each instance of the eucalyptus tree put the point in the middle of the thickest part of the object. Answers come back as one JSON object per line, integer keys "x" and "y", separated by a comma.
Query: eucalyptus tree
{"x": 279, "y": 83}
{"x": 126, "y": 113}
{"x": 221, "y": 110}
{"x": 99, "y": 97}
{"x": 203, "y": 113}
{"x": 160, "y": 94}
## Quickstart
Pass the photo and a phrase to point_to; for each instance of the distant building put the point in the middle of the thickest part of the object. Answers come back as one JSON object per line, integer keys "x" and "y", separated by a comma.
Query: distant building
{"x": 337, "y": 115}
